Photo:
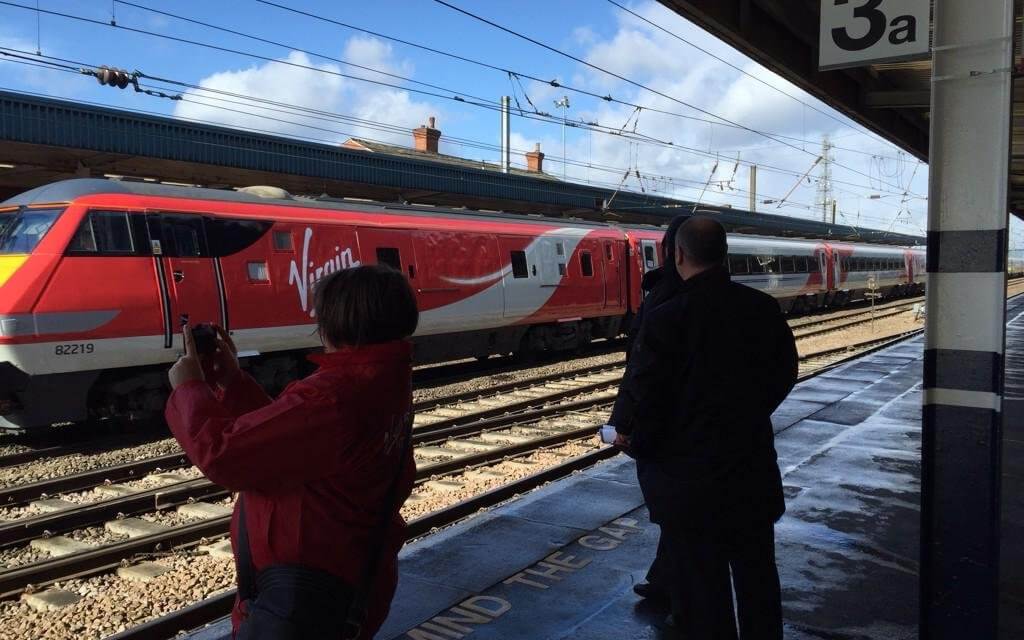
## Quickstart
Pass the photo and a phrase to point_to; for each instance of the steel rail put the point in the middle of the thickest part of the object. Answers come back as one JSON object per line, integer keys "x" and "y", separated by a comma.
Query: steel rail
{"x": 218, "y": 606}
{"x": 91, "y": 478}
{"x": 102, "y": 559}
{"x": 522, "y": 405}
{"x": 526, "y": 383}
{"x": 847, "y": 323}
{"x": 25, "y": 529}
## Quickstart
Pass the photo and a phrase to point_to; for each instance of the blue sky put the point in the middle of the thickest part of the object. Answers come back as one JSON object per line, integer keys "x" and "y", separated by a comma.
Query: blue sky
{"x": 593, "y": 30}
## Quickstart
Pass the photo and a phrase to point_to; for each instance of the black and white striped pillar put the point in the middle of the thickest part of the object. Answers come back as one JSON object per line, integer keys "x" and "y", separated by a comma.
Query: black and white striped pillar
{"x": 964, "y": 339}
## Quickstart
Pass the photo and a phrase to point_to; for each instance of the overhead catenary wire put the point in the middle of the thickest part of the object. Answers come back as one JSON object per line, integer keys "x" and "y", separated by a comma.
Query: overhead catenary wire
{"x": 517, "y": 74}
{"x": 457, "y": 97}
{"x": 608, "y": 130}
{"x": 381, "y": 126}
{"x": 746, "y": 73}
{"x": 631, "y": 82}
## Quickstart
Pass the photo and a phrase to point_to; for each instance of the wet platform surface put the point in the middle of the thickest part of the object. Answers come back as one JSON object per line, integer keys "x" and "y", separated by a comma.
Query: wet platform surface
{"x": 561, "y": 561}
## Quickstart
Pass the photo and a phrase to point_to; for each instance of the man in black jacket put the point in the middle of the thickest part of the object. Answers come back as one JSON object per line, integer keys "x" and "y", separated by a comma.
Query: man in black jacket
{"x": 659, "y": 286}
{"x": 711, "y": 366}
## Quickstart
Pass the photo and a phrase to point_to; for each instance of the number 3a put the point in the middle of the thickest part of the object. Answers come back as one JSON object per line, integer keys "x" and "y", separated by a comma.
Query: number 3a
{"x": 876, "y": 18}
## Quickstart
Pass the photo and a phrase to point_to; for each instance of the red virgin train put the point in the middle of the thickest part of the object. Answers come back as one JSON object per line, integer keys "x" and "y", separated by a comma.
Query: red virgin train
{"x": 96, "y": 276}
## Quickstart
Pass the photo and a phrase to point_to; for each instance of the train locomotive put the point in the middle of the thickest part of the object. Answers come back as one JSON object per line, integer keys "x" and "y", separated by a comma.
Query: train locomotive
{"x": 97, "y": 276}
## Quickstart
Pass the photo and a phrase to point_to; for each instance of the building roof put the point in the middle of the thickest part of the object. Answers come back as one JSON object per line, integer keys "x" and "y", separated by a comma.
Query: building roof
{"x": 398, "y": 150}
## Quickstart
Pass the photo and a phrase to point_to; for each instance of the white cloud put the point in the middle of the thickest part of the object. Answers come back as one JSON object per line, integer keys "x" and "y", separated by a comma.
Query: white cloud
{"x": 307, "y": 83}
{"x": 757, "y": 101}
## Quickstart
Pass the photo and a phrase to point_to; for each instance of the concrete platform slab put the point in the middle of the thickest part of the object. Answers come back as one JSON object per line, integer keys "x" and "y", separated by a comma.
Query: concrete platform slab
{"x": 134, "y": 527}
{"x": 58, "y": 546}
{"x": 203, "y": 510}
{"x": 50, "y": 505}
{"x": 143, "y": 571}
{"x": 50, "y": 600}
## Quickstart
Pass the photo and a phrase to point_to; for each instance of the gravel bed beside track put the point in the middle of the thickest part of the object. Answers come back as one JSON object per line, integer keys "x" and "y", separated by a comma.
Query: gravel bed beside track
{"x": 111, "y": 604}
{"x": 884, "y": 327}
{"x": 76, "y": 463}
{"x": 481, "y": 383}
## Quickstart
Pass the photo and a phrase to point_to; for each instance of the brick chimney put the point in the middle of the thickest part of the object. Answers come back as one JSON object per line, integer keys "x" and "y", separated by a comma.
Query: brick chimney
{"x": 535, "y": 160}
{"x": 426, "y": 137}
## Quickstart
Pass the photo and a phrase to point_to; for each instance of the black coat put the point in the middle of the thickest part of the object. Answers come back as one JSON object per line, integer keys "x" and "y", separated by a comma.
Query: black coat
{"x": 710, "y": 367}
{"x": 659, "y": 285}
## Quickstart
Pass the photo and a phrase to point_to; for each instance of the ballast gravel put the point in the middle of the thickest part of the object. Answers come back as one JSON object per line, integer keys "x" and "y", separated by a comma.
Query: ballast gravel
{"x": 77, "y": 463}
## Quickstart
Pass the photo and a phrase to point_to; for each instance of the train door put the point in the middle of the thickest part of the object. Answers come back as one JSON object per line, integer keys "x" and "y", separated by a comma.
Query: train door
{"x": 612, "y": 276}
{"x": 553, "y": 261}
{"x": 189, "y": 285}
{"x": 823, "y": 267}
{"x": 649, "y": 254}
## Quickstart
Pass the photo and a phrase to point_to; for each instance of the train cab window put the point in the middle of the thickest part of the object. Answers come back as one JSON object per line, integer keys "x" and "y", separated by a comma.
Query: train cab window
{"x": 228, "y": 236}
{"x": 105, "y": 232}
{"x": 183, "y": 236}
{"x": 283, "y": 241}
{"x": 519, "y": 269}
{"x": 586, "y": 264}
{"x": 389, "y": 256}
{"x": 738, "y": 265}
{"x": 22, "y": 230}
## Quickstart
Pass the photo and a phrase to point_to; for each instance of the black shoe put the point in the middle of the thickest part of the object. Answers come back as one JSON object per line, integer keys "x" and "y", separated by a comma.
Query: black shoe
{"x": 650, "y": 592}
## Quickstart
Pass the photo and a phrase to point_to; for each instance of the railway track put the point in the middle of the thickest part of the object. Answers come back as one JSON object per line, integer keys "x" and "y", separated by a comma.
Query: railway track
{"x": 444, "y": 447}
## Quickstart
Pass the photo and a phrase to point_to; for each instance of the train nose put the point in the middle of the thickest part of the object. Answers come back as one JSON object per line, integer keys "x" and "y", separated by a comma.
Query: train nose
{"x": 10, "y": 264}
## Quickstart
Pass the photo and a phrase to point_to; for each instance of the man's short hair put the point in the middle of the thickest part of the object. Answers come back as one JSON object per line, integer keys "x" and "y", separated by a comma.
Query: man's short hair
{"x": 703, "y": 239}
{"x": 365, "y": 305}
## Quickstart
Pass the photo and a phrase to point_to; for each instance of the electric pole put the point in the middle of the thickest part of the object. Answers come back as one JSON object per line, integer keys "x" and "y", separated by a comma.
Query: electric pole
{"x": 564, "y": 105}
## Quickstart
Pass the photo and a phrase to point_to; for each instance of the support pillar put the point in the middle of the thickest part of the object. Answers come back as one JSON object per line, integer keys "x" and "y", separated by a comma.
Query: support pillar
{"x": 965, "y": 335}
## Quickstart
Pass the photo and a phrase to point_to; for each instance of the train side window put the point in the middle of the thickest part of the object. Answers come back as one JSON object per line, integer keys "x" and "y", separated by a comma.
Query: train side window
{"x": 738, "y": 265}
{"x": 561, "y": 268}
{"x": 649, "y": 257}
{"x": 106, "y": 232}
{"x": 586, "y": 264}
{"x": 788, "y": 264}
{"x": 389, "y": 256}
{"x": 283, "y": 241}
{"x": 258, "y": 272}
{"x": 519, "y": 269}
{"x": 804, "y": 264}
{"x": 559, "y": 248}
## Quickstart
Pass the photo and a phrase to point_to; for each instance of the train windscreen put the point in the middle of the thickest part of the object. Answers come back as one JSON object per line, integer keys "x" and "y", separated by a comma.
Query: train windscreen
{"x": 21, "y": 230}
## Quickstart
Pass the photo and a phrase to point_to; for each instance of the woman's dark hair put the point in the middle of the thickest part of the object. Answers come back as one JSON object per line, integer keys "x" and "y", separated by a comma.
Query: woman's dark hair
{"x": 365, "y": 305}
{"x": 668, "y": 241}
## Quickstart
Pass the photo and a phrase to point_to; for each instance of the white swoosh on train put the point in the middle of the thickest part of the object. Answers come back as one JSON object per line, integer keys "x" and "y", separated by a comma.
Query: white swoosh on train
{"x": 490, "y": 277}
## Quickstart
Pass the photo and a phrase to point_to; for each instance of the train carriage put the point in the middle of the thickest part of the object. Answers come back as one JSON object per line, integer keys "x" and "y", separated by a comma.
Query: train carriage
{"x": 97, "y": 276}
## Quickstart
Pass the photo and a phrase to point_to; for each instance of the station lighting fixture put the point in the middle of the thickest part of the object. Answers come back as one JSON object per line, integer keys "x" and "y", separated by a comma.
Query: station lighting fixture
{"x": 4, "y": 165}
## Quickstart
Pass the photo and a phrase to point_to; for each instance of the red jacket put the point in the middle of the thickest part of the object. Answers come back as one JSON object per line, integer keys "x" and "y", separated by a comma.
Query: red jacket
{"x": 315, "y": 464}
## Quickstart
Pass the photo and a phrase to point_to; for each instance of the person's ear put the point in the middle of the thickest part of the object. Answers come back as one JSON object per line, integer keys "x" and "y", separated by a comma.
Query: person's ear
{"x": 680, "y": 257}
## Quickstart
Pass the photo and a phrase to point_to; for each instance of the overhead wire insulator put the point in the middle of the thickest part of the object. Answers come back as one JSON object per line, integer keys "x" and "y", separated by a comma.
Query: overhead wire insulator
{"x": 114, "y": 77}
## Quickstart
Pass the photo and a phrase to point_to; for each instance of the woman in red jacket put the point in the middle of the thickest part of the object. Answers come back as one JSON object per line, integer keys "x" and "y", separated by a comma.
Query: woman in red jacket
{"x": 315, "y": 466}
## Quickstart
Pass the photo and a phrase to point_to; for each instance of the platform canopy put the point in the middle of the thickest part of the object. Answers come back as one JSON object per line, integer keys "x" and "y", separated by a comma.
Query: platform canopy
{"x": 890, "y": 99}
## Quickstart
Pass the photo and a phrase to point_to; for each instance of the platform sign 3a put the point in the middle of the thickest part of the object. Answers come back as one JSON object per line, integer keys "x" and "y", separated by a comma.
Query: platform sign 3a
{"x": 861, "y": 32}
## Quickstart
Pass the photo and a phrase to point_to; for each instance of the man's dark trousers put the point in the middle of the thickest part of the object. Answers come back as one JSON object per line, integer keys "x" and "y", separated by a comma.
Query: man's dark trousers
{"x": 699, "y": 560}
